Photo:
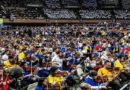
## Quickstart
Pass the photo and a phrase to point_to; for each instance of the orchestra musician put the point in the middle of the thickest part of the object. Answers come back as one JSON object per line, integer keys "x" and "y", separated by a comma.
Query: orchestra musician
{"x": 4, "y": 80}
{"x": 10, "y": 63}
{"x": 106, "y": 70}
{"x": 55, "y": 78}
{"x": 119, "y": 63}
{"x": 93, "y": 82}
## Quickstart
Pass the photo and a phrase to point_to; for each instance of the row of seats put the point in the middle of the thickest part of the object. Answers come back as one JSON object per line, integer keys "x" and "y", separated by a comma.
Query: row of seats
{"x": 37, "y": 13}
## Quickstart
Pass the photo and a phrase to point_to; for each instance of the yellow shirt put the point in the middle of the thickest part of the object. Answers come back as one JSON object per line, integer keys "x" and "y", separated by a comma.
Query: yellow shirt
{"x": 86, "y": 48}
{"x": 103, "y": 33}
{"x": 117, "y": 63}
{"x": 54, "y": 79}
{"x": 37, "y": 36}
{"x": 104, "y": 72}
{"x": 7, "y": 64}
{"x": 21, "y": 55}
{"x": 129, "y": 56}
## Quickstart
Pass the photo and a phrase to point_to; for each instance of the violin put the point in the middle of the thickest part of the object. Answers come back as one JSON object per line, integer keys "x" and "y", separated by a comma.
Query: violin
{"x": 46, "y": 64}
{"x": 73, "y": 66}
{"x": 30, "y": 68}
{"x": 61, "y": 73}
{"x": 102, "y": 79}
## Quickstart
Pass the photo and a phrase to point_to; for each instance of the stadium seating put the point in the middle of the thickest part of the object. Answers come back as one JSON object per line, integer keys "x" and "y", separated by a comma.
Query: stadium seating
{"x": 60, "y": 14}
{"x": 89, "y": 3}
{"x": 53, "y": 3}
{"x": 95, "y": 14}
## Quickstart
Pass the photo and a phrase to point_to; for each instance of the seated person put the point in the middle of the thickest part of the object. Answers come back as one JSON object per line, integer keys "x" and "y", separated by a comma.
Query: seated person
{"x": 54, "y": 77}
{"x": 119, "y": 63}
{"x": 41, "y": 85}
{"x": 106, "y": 71}
{"x": 10, "y": 63}
{"x": 92, "y": 82}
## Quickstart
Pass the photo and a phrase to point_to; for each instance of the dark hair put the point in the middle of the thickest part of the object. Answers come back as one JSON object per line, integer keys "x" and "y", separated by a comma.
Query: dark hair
{"x": 40, "y": 83}
{"x": 52, "y": 70}
{"x": 92, "y": 73}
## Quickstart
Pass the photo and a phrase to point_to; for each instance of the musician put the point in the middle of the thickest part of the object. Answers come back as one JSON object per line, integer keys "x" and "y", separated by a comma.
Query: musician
{"x": 54, "y": 77}
{"x": 21, "y": 55}
{"x": 116, "y": 48}
{"x": 4, "y": 80}
{"x": 56, "y": 59}
{"x": 10, "y": 63}
{"x": 119, "y": 63}
{"x": 5, "y": 55}
{"x": 41, "y": 85}
{"x": 106, "y": 70}
{"x": 28, "y": 72}
{"x": 92, "y": 81}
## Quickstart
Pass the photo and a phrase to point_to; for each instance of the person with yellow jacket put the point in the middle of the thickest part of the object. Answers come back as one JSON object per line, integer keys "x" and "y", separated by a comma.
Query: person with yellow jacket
{"x": 119, "y": 63}
{"x": 106, "y": 71}
{"x": 54, "y": 78}
{"x": 10, "y": 63}
{"x": 21, "y": 55}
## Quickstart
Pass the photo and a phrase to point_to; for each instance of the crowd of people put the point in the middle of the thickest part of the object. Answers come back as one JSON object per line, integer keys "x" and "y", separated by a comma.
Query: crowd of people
{"x": 95, "y": 14}
{"x": 64, "y": 58}
{"x": 89, "y": 3}
{"x": 70, "y": 2}
{"x": 53, "y": 3}
{"x": 121, "y": 14}
{"x": 60, "y": 14}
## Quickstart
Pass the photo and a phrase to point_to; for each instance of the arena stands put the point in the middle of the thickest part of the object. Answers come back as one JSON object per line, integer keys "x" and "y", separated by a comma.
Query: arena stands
{"x": 53, "y": 3}
{"x": 122, "y": 14}
{"x": 60, "y": 14}
{"x": 89, "y": 3}
{"x": 70, "y": 2}
{"x": 51, "y": 9}
{"x": 95, "y": 14}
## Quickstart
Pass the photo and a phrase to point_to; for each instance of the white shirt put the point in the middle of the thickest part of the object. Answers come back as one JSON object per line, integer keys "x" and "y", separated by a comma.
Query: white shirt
{"x": 57, "y": 61}
{"x": 5, "y": 57}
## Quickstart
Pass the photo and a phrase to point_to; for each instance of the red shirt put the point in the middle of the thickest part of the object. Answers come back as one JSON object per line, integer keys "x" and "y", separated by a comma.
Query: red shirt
{"x": 5, "y": 79}
{"x": 98, "y": 47}
{"x": 126, "y": 49}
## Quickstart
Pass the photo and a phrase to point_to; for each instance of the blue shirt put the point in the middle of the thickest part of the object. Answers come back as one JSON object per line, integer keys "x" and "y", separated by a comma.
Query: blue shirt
{"x": 30, "y": 52}
{"x": 39, "y": 88}
{"x": 89, "y": 80}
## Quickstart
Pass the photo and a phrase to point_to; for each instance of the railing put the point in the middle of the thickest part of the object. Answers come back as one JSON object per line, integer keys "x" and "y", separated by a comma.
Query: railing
{"x": 7, "y": 21}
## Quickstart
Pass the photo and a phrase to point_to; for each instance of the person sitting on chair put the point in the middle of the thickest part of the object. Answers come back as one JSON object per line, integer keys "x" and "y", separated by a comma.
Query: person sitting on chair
{"x": 106, "y": 71}
{"x": 92, "y": 82}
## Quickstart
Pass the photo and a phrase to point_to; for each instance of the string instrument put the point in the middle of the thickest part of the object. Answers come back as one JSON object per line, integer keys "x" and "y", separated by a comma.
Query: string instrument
{"x": 108, "y": 78}
{"x": 45, "y": 64}
{"x": 53, "y": 87}
{"x": 31, "y": 68}
{"x": 58, "y": 84}
{"x": 61, "y": 73}
{"x": 73, "y": 66}
{"x": 102, "y": 79}
{"x": 28, "y": 68}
